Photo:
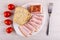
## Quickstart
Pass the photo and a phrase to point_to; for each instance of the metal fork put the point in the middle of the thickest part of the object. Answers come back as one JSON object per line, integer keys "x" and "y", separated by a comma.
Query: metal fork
{"x": 49, "y": 12}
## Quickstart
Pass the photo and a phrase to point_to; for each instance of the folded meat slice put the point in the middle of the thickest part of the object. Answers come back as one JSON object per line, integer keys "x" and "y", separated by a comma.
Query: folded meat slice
{"x": 34, "y": 25}
{"x": 30, "y": 27}
{"x": 25, "y": 31}
{"x": 39, "y": 17}
{"x": 36, "y": 21}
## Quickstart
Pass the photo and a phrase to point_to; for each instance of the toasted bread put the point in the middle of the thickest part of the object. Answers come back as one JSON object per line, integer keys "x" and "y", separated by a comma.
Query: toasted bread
{"x": 21, "y": 15}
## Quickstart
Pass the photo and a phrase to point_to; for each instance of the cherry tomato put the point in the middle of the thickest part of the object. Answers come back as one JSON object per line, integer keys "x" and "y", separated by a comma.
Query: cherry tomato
{"x": 11, "y": 6}
{"x": 9, "y": 29}
{"x": 8, "y": 22}
{"x": 7, "y": 14}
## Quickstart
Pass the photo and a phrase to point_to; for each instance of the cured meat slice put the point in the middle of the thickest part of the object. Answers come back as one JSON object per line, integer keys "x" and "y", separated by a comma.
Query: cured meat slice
{"x": 25, "y": 31}
{"x": 30, "y": 27}
{"x": 38, "y": 17}
{"x": 34, "y": 23}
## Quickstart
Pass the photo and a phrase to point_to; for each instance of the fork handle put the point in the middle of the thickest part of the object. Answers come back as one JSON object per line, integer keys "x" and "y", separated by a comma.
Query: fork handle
{"x": 47, "y": 32}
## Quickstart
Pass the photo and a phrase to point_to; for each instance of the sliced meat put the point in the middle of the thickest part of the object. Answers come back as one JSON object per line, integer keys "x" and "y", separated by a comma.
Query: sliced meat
{"x": 36, "y": 21}
{"x": 24, "y": 31}
{"x": 27, "y": 30}
{"x": 34, "y": 24}
{"x": 34, "y": 30}
{"x": 34, "y": 13}
{"x": 38, "y": 17}
{"x": 31, "y": 28}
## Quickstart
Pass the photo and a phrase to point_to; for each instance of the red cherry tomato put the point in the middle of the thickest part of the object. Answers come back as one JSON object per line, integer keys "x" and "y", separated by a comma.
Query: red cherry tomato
{"x": 8, "y": 22}
{"x": 9, "y": 29}
{"x": 7, "y": 14}
{"x": 11, "y": 6}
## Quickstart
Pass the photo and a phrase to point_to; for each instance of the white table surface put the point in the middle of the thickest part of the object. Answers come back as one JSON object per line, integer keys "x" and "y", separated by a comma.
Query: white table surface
{"x": 54, "y": 33}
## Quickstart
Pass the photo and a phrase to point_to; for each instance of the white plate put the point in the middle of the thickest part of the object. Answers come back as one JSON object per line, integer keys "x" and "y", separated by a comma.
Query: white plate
{"x": 44, "y": 11}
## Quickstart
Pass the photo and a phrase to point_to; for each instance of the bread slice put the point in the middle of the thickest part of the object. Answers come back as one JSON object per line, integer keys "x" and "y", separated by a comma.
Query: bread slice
{"x": 21, "y": 15}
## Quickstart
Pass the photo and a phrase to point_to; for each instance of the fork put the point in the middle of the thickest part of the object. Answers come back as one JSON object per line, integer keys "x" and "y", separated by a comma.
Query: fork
{"x": 49, "y": 13}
